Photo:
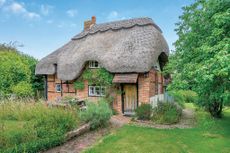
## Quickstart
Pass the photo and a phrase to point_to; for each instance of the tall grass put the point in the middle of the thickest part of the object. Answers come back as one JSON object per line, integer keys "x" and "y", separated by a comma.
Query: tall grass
{"x": 32, "y": 126}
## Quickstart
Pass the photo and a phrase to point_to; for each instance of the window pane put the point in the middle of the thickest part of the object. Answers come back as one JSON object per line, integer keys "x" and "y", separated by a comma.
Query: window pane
{"x": 95, "y": 64}
{"x": 102, "y": 91}
{"x": 58, "y": 87}
{"x": 97, "y": 91}
{"x": 91, "y": 90}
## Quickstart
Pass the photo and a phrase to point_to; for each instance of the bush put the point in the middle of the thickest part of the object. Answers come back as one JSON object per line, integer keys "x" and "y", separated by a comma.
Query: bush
{"x": 184, "y": 96}
{"x": 17, "y": 67}
{"x": 166, "y": 113}
{"x": 144, "y": 112}
{"x": 23, "y": 89}
{"x": 97, "y": 114}
{"x": 69, "y": 100}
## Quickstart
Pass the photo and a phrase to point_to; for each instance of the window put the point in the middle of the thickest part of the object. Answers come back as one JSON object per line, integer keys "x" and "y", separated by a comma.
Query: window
{"x": 58, "y": 87}
{"x": 96, "y": 91}
{"x": 94, "y": 64}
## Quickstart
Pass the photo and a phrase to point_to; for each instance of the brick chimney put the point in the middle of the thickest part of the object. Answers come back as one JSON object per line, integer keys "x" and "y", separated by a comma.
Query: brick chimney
{"x": 89, "y": 23}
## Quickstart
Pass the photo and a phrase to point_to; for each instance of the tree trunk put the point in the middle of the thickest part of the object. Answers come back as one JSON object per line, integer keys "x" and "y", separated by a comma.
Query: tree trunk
{"x": 216, "y": 109}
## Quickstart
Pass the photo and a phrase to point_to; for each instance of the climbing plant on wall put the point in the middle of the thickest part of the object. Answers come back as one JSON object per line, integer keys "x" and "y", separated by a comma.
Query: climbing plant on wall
{"x": 98, "y": 77}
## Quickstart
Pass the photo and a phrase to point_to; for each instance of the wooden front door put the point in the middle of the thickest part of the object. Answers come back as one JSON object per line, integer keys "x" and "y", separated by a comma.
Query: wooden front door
{"x": 129, "y": 98}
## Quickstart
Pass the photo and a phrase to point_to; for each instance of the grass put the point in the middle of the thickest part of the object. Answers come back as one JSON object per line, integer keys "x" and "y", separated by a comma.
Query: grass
{"x": 33, "y": 126}
{"x": 210, "y": 135}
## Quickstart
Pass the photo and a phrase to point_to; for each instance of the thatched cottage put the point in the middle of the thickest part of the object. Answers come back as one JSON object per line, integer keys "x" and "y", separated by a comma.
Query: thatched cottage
{"x": 133, "y": 50}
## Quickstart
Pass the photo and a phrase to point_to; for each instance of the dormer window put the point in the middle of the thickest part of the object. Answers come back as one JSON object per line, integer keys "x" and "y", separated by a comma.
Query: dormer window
{"x": 94, "y": 64}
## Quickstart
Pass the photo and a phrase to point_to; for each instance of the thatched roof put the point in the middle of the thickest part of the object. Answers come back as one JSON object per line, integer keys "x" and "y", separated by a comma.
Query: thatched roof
{"x": 125, "y": 46}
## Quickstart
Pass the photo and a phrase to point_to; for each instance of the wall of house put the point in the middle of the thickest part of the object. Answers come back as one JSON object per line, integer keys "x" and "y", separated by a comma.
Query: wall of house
{"x": 68, "y": 90}
{"x": 117, "y": 103}
{"x": 149, "y": 84}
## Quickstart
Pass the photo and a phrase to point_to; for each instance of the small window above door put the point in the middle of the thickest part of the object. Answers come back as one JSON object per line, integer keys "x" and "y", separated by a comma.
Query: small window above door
{"x": 94, "y": 64}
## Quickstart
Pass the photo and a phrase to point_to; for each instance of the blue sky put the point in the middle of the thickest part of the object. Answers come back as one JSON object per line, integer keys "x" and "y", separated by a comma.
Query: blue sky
{"x": 45, "y": 25}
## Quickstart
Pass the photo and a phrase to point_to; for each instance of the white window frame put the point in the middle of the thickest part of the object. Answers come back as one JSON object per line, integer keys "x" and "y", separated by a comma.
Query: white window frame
{"x": 56, "y": 87}
{"x": 96, "y": 91}
{"x": 94, "y": 64}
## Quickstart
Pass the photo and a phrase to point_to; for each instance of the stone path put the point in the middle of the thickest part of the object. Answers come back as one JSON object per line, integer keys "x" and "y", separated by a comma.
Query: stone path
{"x": 80, "y": 143}
{"x": 119, "y": 120}
{"x": 86, "y": 140}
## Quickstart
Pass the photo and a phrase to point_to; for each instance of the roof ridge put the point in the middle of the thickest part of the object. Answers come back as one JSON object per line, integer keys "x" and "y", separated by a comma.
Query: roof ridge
{"x": 117, "y": 25}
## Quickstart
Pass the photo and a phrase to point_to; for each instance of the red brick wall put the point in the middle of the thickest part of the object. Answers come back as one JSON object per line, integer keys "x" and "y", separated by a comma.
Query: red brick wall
{"x": 117, "y": 103}
{"x": 68, "y": 90}
{"x": 148, "y": 84}
{"x": 143, "y": 88}
{"x": 146, "y": 89}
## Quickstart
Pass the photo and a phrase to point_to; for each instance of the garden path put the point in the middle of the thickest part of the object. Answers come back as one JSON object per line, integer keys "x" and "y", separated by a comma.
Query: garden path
{"x": 78, "y": 144}
{"x": 86, "y": 140}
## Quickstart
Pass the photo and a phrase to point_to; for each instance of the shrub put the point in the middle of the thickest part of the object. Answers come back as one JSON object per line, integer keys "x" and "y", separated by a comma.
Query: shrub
{"x": 184, "y": 96}
{"x": 17, "y": 67}
{"x": 166, "y": 113}
{"x": 69, "y": 100}
{"x": 97, "y": 114}
{"x": 23, "y": 89}
{"x": 32, "y": 127}
{"x": 144, "y": 112}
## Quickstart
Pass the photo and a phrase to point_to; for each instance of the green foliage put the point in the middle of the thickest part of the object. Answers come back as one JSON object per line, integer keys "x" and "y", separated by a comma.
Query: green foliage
{"x": 98, "y": 77}
{"x": 79, "y": 85}
{"x": 23, "y": 89}
{"x": 69, "y": 100}
{"x": 184, "y": 96}
{"x": 166, "y": 113}
{"x": 32, "y": 127}
{"x": 201, "y": 60}
{"x": 144, "y": 112}
{"x": 17, "y": 67}
{"x": 97, "y": 114}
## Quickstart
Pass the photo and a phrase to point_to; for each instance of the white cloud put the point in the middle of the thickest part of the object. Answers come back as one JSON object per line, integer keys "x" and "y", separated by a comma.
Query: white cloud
{"x": 19, "y": 8}
{"x": 72, "y": 12}
{"x": 16, "y": 8}
{"x": 32, "y": 15}
{"x": 114, "y": 15}
{"x": 2, "y": 2}
{"x": 46, "y": 9}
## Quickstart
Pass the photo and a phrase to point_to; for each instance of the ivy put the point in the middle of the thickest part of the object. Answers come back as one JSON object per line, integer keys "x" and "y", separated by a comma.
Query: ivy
{"x": 99, "y": 77}
{"x": 79, "y": 85}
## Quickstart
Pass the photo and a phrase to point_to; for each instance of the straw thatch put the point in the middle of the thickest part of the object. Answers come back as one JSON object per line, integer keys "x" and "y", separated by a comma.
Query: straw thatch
{"x": 125, "y": 46}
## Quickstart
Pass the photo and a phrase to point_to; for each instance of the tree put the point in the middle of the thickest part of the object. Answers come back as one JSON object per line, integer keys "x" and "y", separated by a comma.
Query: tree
{"x": 17, "y": 73}
{"x": 201, "y": 58}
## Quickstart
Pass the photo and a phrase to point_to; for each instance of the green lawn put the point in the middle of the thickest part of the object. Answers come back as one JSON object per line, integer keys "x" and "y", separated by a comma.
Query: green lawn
{"x": 209, "y": 136}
